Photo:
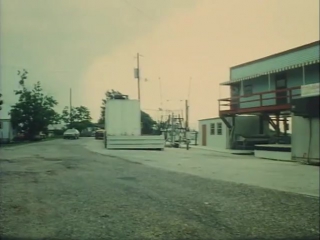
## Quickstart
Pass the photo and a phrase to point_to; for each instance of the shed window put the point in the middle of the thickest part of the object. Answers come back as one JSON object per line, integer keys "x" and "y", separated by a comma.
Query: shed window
{"x": 219, "y": 128}
{"x": 212, "y": 129}
{"x": 247, "y": 89}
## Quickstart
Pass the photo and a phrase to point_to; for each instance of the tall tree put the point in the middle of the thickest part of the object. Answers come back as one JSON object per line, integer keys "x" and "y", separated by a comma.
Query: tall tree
{"x": 34, "y": 110}
{"x": 110, "y": 94}
{"x": 79, "y": 117}
{"x": 147, "y": 123}
{"x": 102, "y": 111}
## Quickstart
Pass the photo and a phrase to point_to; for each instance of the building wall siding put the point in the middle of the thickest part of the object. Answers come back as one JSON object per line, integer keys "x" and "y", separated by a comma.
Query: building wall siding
{"x": 245, "y": 126}
{"x": 6, "y": 132}
{"x": 294, "y": 79}
{"x": 278, "y": 62}
{"x": 301, "y": 138}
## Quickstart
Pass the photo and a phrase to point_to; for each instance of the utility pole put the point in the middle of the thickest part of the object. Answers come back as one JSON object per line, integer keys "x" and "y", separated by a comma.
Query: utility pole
{"x": 137, "y": 74}
{"x": 172, "y": 129}
{"x": 70, "y": 111}
{"x": 187, "y": 116}
{"x": 187, "y": 125}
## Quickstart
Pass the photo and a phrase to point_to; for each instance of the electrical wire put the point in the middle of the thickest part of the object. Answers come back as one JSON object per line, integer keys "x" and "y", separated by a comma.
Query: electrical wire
{"x": 138, "y": 9}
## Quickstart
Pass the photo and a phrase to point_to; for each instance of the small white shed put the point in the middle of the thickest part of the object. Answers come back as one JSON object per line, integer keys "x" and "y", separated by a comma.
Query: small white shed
{"x": 213, "y": 133}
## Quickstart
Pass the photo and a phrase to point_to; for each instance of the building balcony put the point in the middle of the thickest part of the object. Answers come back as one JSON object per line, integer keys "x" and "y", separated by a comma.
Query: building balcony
{"x": 263, "y": 102}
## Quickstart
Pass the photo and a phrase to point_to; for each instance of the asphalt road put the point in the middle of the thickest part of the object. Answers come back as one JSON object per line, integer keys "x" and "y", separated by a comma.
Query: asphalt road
{"x": 59, "y": 190}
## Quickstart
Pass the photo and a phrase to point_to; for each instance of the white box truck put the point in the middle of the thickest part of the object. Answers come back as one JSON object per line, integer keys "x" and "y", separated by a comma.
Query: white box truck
{"x": 123, "y": 127}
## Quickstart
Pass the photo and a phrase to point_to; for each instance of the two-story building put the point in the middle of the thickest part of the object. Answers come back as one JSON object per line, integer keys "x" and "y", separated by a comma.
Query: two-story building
{"x": 266, "y": 88}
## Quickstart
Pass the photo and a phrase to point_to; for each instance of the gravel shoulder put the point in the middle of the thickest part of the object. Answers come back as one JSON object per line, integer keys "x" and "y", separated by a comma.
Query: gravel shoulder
{"x": 284, "y": 176}
{"x": 60, "y": 190}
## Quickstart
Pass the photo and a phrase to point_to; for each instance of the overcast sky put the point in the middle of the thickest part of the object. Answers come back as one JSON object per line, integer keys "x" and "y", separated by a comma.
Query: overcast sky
{"x": 90, "y": 45}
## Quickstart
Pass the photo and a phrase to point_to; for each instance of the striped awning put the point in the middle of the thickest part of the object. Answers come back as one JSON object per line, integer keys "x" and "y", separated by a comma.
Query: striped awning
{"x": 270, "y": 72}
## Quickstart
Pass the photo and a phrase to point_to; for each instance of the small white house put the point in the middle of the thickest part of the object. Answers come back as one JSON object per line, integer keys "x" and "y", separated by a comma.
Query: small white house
{"x": 6, "y": 130}
{"x": 213, "y": 133}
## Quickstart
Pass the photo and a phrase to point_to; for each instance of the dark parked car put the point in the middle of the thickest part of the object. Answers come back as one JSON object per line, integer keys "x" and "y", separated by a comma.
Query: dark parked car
{"x": 99, "y": 134}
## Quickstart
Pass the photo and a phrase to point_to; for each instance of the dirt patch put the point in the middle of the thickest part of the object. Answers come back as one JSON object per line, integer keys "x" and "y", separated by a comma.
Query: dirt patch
{"x": 123, "y": 159}
{"x": 49, "y": 159}
{"x": 69, "y": 165}
{"x": 6, "y": 161}
{"x": 128, "y": 178}
{"x": 17, "y": 173}
{"x": 19, "y": 176}
{"x": 51, "y": 172}
{"x": 19, "y": 209}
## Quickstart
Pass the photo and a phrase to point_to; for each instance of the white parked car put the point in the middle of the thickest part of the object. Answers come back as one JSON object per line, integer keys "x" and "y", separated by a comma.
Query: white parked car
{"x": 71, "y": 134}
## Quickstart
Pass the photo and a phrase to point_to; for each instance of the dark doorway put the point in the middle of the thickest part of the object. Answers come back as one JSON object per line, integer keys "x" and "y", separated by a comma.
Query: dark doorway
{"x": 235, "y": 94}
{"x": 204, "y": 135}
{"x": 281, "y": 85}
{"x": 261, "y": 124}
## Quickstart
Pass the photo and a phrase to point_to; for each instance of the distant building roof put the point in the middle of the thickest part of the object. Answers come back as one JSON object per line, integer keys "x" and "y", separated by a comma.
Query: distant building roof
{"x": 206, "y": 119}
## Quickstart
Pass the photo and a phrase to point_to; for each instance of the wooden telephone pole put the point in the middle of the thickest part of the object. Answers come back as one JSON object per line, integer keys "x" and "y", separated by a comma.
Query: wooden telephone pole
{"x": 137, "y": 74}
{"x": 70, "y": 111}
{"x": 187, "y": 125}
{"x": 187, "y": 116}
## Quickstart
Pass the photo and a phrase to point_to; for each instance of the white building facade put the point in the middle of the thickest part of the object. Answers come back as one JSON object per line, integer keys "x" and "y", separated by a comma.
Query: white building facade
{"x": 6, "y": 131}
{"x": 213, "y": 132}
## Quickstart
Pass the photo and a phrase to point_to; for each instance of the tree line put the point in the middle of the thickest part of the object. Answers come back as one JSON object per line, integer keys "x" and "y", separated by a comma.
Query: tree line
{"x": 35, "y": 111}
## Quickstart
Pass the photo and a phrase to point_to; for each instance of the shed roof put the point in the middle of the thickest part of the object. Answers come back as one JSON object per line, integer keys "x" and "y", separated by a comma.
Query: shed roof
{"x": 206, "y": 119}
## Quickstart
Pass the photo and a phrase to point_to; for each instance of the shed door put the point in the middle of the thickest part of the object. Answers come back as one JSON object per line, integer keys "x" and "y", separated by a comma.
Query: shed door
{"x": 204, "y": 135}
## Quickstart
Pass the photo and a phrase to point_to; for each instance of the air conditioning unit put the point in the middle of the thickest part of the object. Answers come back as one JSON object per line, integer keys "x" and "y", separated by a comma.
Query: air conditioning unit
{"x": 306, "y": 107}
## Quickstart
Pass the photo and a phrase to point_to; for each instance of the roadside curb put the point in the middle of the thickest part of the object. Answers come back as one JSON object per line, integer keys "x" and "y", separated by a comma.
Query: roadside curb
{"x": 236, "y": 152}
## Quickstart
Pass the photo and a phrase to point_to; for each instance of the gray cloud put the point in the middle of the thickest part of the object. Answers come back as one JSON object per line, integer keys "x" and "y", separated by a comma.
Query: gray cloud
{"x": 56, "y": 40}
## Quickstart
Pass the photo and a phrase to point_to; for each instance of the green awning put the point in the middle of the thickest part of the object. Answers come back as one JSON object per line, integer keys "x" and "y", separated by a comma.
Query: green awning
{"x": 270, "y": 72}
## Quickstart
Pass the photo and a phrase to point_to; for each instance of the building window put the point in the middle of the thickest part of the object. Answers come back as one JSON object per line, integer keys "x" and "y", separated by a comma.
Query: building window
{"x": 247, "y": 89}
{"x": 219, "y": 128}
{"x": 212, "y": 129}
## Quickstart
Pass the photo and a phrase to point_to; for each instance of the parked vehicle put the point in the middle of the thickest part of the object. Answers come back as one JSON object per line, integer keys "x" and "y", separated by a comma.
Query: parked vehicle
{"x": 71, "y": 134}
{"x": 99, "y": 134}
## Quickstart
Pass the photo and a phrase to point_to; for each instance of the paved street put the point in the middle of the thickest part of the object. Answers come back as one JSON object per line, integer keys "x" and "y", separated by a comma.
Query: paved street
{"x": 60, "y": 190}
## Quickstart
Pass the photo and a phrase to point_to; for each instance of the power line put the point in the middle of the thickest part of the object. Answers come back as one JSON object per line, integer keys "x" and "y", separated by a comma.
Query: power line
{"x": 137, "y": 9}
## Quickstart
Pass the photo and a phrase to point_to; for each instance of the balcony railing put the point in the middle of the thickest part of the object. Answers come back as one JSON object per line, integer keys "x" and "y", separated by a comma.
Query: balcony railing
{"x": 270, "y": 101}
